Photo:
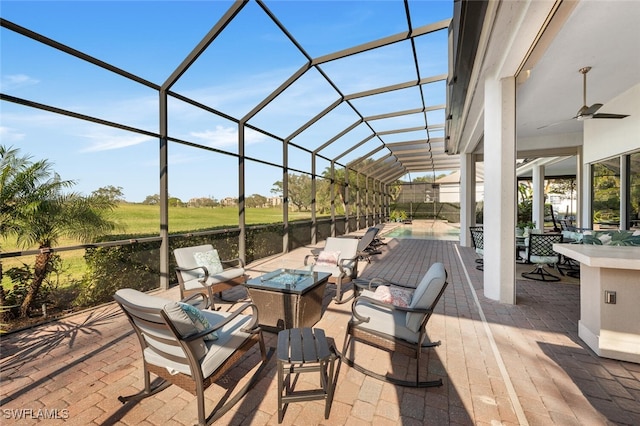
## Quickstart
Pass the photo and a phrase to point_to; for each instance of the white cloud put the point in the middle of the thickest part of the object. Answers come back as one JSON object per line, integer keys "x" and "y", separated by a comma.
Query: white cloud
{"x": 15, "y": 81}
{"x": 8, "y": 134}
{"x": 105, "y": 142}
{"x": 223, "y": 136}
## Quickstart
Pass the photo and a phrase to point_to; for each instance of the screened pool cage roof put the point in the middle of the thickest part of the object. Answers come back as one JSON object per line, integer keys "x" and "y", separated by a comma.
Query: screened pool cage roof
{"x": 319, "y": 77}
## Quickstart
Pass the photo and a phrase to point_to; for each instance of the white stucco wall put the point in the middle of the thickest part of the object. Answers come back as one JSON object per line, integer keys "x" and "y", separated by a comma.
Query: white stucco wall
{"x": 605, "y": 138}
{"x": 450, "y": 193}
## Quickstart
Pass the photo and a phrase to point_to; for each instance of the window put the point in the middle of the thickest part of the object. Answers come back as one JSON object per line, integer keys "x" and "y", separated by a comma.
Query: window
{"x": 606, "y": 194}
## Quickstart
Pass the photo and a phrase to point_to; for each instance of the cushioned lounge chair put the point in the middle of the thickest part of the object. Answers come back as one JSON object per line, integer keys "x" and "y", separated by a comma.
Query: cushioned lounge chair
{"x": 339, "y": 258}
{"x": 201, "y": 271}
{"x": 390, "y": 326}
{"x": 378, "y": 240}
{"x": 177, "y": 346}
{"x": 366, "y": 248}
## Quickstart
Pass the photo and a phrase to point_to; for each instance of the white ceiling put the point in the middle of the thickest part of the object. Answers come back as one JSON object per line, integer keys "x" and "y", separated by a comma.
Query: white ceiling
{"x": 602, "y": 34}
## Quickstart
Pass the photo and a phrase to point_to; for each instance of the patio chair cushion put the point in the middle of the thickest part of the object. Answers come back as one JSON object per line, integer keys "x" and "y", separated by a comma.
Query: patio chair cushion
{"x": 547, "y": 260}
{"x": 185, "y": 257}
{"x": 328, "y": 258}
{"x": 394, "y": 295}
{"x": 229, "y": 338}
{"x": 347, "y": 249}
{"x": 188, "y": 319}
{"x": 426, "y": 294}
{"x": 572, "y": 236}
{"x": 221, "y": 277}
{"x": 334, "y": 270}
{"x": 210, "y": 260}
{"x": 612, "y": 237}
{"x": 384, "y": 320}
{"x": 141, "y": 302}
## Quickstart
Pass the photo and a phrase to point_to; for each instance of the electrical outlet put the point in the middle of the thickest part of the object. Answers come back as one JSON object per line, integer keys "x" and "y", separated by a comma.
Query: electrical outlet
{"x": 610, "y": 297}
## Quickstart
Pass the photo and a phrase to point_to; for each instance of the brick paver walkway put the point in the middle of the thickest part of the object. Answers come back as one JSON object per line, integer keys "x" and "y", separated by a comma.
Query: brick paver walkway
{"x": 501, "y": 364}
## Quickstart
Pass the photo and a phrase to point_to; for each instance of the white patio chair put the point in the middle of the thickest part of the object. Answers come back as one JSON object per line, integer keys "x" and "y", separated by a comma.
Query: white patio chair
{"x": 339, "y": 258}
{"x": 201, "y": 271}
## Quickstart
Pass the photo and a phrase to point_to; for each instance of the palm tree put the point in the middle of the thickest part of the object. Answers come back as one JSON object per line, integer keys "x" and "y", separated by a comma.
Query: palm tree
{"x": 18, "y": 181}
{"x": 40, "y": 213}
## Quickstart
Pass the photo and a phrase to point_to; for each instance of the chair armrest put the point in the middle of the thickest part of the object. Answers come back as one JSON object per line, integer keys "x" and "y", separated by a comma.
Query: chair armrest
{"x": 307, "y": 257}
{"x": 204, "y": 279}
{"x": 250, "y": 328}
{"x": 236, "y": 260}
{"x": 191, "y": 300}
{"x": 181, "y": 269}
{"x": 382, "y": 304}
{"x": 376, "y": 282}
{"x": 342, "y": 262}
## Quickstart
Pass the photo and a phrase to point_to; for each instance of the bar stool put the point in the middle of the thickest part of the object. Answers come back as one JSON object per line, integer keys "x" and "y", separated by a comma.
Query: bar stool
{"x": 304, "y": 350}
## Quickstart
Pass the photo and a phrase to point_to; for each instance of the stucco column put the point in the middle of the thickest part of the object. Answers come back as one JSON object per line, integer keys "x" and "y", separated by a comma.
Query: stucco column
{"x": 578, "y": 191}
{"x": 499, "y": 189}
{"x": 467, "y": 197}
{"x": 586, "y": 218}
{"x": 624, "y": 189}
{"x": 537, "y": 208}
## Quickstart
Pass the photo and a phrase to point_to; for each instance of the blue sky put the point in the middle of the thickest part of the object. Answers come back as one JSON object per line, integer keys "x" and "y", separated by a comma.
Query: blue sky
{"x": 249, "y": 60}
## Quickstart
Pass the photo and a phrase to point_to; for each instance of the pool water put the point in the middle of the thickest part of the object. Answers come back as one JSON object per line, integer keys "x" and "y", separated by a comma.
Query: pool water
{"x": 405, "y": 231}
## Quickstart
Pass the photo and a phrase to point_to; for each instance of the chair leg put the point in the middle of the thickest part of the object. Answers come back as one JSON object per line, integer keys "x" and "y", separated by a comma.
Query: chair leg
{"x": 149, "y": 388}
{"x": 338, "y": 297}
{"x": 348, "y": 340}
{"x": 540, "y": 274}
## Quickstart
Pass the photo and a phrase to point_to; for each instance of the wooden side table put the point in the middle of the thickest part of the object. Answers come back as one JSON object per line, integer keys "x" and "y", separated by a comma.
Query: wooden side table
{"x": 304, "y": 350}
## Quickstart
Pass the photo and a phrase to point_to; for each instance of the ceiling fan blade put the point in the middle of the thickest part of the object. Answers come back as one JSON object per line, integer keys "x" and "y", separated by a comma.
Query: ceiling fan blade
{"x": 592, "y": 109}
{"x": 605, "y": 115}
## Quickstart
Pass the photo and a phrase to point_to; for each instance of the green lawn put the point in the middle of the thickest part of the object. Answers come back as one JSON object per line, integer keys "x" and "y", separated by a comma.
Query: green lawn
{"x": 144, "y": 219}
{"x": 137, "y": 219}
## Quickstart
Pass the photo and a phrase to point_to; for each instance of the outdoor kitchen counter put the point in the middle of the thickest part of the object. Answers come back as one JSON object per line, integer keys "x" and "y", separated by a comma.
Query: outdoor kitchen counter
{"x": 609, "y": 298}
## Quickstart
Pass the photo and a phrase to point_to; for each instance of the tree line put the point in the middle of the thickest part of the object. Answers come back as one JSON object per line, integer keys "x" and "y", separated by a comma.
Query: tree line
{"x": 38, "y": 208}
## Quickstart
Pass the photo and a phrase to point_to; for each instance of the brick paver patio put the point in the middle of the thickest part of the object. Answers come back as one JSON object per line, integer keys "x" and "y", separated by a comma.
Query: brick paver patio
{"x": 501, "y": 364}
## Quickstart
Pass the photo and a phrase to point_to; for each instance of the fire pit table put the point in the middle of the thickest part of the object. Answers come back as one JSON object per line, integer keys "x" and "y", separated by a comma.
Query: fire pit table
{"x": 288, "y": 298}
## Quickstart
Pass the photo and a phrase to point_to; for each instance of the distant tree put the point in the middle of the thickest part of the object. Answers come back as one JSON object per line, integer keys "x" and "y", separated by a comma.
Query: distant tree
{"x": 152, "y": 199}
{"x": 525, "y": 201}
{"x": 256, "y": 200}
{"x": 175, "y": 202}
{"x": 323, "y": 196}
{"x": 203, "y": 202}
{"x": 395, "y": 189}
{"x": 299, "y": 190}
{"x": 340, "y": 185}
{"x": 110, "y": 192}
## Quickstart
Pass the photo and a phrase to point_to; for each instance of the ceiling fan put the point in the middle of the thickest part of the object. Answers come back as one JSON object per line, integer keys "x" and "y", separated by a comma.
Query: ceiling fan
{"x": 587, "y": 112}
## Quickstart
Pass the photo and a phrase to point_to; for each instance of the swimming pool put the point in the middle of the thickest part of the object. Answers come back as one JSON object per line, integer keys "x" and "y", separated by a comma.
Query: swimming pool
{"x": 424, "y": 233}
